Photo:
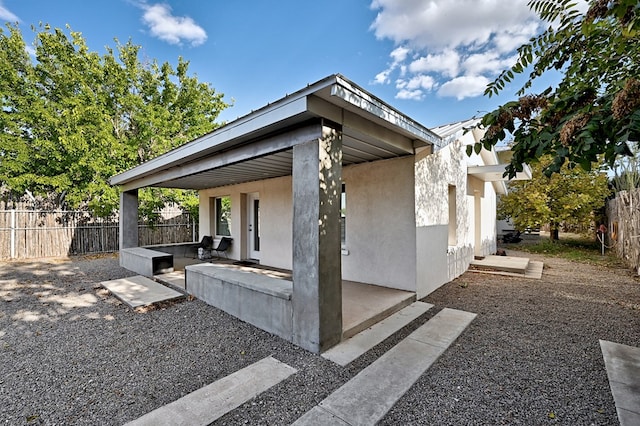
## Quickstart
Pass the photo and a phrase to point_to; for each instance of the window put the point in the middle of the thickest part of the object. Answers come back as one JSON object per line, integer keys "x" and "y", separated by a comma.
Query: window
{"x": 343, "y": 216}
{"x": 223, "y": 216}
{"x": 453, "y": 238}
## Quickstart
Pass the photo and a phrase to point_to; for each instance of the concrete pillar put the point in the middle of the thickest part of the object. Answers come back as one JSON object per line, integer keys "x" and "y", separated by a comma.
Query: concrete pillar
{"x": 129, "y": 219}
{"x": 317, "y": 277}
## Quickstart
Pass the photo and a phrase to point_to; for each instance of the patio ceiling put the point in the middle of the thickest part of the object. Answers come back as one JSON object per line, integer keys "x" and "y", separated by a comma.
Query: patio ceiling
{"x": 355, "y": 149}
{"x": 260, "y": 145}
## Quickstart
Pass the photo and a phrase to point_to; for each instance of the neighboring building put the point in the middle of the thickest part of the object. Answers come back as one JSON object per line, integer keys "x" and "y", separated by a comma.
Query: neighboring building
{"x": 334, "y": 184}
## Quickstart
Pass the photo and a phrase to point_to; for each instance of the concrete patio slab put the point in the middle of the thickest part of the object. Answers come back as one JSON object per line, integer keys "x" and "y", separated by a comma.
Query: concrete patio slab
{"x": 623, "y": 371}
{"x": 366, "y": 398}
{"x": 362, "y": 304}
{"x": 211, "y": 402}
{"x": 139, "y": 291}
{"x": 352, "y": 348}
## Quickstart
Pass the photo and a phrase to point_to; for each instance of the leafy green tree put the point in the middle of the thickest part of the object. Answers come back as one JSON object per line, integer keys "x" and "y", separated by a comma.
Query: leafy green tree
{"x": 72, "y": 118}
{"x": 569, "y": 196}
{"x": 596, "y": 107}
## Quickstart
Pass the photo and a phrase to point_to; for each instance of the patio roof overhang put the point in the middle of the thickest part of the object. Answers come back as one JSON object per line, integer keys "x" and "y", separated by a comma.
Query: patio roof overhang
{"x": 495, "y": 173}
{"x": 260, "y": 145}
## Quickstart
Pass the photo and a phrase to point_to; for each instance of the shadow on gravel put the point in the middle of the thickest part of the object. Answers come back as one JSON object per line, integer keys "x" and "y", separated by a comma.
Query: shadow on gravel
{"x": 56, "y": 289}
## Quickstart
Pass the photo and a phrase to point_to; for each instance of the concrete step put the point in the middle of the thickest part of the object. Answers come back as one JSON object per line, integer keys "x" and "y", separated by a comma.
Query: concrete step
{"x": 353, "y": 347}
{"x": 211, "y": 402}
{"x": 366, "y": 398}
{"x": 173, "y": 279}
{"x": 364, "y": 305}
{"x": 139, "y": 291}
{"x": 534, "y": 271}
{"x": 517, "y": 265}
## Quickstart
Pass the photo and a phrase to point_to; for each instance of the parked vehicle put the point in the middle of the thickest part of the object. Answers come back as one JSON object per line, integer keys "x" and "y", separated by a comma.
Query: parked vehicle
{"x": 511, "y": 237}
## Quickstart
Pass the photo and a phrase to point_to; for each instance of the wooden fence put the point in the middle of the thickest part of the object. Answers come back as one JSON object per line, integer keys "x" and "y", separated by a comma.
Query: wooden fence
{"x": 48, "y": 233}
{"x": 623, "y": 233}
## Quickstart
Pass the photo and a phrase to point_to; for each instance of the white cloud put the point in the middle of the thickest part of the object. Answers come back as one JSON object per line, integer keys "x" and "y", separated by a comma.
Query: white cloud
{"x": 446, "y": 62}
{"x": 511, "y": 38}
{"x": 415, "y": 95}
{"x": 399, "y": 54}
{"x": 460, "y": 44}
{"x": 7, "y": 15}
{"x": 172, "y": 29}
{"x": 438, "y": 24}
{"x": 464, "y": 87}
{"x": 488, "y": 62}
{"x": 418, "y": 82}
{"x": 382, "y": 77}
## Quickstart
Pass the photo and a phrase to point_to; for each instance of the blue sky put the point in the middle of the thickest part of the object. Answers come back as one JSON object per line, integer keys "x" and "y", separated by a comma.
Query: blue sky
{"x": 431, "y": 59}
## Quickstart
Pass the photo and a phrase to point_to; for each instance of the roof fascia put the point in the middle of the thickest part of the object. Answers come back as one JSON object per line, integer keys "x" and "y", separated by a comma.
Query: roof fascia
{"x": 244, "y": 152}
{"x": 351, "y": 93}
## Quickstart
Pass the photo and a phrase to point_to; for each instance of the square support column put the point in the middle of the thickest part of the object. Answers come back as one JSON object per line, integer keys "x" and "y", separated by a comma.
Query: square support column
{"x": 317, "y": 271}
{"x": 128, "y": 219}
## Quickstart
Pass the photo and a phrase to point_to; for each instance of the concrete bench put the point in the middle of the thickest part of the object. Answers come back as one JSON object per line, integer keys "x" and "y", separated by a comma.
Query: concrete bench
{"x": 145, "y": 261}
{"x": 254, "y": 298}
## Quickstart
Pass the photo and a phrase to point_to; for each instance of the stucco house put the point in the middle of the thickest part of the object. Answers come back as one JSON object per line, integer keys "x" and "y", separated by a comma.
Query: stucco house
{"x": 334, "y": 185}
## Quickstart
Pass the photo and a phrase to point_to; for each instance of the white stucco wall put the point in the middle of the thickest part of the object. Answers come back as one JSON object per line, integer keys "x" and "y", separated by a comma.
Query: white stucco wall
{"x": 276, "y": 215}
{"x": 437, "y": 261}
{"x": 380, "y": 224}
{"x": 489, "y": 224}
{"x": 397, "y": 220}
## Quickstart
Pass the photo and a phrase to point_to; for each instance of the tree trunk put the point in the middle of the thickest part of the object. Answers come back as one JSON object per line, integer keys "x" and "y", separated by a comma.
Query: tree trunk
{"x": 553, "y": 232}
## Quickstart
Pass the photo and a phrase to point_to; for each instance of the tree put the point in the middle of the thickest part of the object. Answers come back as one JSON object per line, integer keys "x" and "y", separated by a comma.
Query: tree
{"x": 595, "y": 109}
{"x": 72, "y": 118}
{"x": 569, "y": 196}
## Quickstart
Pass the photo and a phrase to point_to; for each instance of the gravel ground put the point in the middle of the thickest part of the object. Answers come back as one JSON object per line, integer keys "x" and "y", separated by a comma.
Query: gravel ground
{"x": 72, "y": 354}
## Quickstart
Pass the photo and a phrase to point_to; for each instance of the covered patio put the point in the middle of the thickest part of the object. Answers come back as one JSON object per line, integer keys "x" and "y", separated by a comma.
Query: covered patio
{"x": 362, "y": 304}
{"x": 283, "y": 168}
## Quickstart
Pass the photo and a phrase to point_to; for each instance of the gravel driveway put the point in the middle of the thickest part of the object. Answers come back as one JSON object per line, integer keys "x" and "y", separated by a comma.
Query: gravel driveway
{"x": 72, "y": 354}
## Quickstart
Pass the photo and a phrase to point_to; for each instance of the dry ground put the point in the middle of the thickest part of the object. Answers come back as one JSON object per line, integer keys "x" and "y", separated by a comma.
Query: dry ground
{"x": 72, "y": 354}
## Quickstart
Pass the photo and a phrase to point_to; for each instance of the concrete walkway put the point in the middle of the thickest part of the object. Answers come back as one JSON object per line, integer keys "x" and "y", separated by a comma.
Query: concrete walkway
{"x": 623, "y": 370}
{"x": 366, "y": 398}
{"x": 211, "y": 402}
{"x": 140, "y": 291}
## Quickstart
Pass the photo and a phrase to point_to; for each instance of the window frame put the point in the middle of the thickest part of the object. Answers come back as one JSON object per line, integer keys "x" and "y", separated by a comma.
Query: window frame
{"x": 218, "y": 222}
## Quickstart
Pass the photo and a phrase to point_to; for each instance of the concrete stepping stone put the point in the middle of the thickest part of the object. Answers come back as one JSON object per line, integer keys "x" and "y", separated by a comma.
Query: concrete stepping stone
{"x": 623, "y": 371}
{"x": 366, "y": 398}
{"x": 211, "y": 402}
{"x": 139, "y": 291}
{"x": 352, "y": 348}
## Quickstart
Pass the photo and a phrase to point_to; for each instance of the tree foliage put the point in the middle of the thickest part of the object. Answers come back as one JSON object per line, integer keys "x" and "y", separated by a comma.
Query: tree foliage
{"x": 595, "y": 110}
{"x": 71, "y": 118}
{"x": 569, "y": 196}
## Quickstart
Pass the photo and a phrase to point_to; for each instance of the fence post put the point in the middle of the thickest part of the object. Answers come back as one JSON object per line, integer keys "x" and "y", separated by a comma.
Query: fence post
{"x": 13, "y": 233}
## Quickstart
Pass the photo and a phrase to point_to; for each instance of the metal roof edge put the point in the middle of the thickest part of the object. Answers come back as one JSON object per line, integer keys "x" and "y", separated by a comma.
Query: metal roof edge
{"x": 286, "y": 107}
{"x": 203, "y": 142}
{"x": 366, "y": 101}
